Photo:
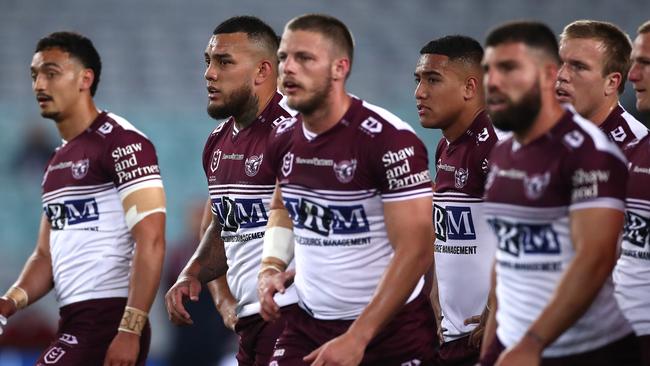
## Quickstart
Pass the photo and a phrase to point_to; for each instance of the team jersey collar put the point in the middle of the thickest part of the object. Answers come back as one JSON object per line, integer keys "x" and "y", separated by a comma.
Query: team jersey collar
{"x": 342, "y": 123}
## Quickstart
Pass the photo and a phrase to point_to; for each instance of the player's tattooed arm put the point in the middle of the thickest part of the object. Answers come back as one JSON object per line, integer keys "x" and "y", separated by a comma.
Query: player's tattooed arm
{"x": 222, "y": 297}
{"x": 36, "y": 279}
{"x": 207, "y": 264}
{"x": 210, "y": 256}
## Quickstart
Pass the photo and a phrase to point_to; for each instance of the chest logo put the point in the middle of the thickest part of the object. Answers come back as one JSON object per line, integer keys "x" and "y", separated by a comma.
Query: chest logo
{"x": 461, "y": 175}
{"x": 80, "y": 168}
{"x": 252, "y": 164}
{"x": 214, "y": 163}
{"x": 344, "y": 170}
{"x": 287, "y": 164}
{"x": 535, "y": 185}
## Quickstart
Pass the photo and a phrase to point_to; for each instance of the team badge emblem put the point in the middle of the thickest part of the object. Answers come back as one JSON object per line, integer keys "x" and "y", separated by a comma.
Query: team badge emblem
{"x": 461, "y": 175}
{"x": 345, "y": 170}
{"x": 214, "y": 163}
{"x": 287, "y": 164}
{"x": 536, "y": 184}
{"x": 53, "y": 355}
{"x": 80, "y": 168}
{"x": 252, "y": 164}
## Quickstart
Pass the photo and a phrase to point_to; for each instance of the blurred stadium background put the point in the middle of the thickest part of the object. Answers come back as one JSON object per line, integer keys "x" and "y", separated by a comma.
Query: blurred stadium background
{"x": 152, "y": 53}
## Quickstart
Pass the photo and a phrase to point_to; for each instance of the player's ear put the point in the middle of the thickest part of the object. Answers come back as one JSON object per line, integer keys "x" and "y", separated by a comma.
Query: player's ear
{"x": 340, "y": 68}
{"x": 471, "y": 87}
{"x": 549, "y": 74}
{"x": 612, "y": 82}
{"x": 86, "y": 80}
{"x": 264, "y": 71}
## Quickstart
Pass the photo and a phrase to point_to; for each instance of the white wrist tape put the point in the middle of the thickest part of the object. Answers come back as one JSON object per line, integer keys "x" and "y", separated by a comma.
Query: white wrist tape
{"x": 278, "y": 243}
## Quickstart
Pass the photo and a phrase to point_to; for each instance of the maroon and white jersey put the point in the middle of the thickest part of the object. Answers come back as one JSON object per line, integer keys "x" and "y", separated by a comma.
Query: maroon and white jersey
{"x": 530, "y": 192}
{"x": 84, "y": 185}
{"x": 632, "y": 272}
{"x": 464, "y": 252}
{"x": 334, "y": 186}
{"x": 622, "y": 128}
{"x": 241, "y": 193}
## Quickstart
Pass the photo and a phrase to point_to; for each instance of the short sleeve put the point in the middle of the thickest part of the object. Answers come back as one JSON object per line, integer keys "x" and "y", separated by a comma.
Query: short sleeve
{"x": 598, "y": 178}
{"x": 402, "y": 167}
{"x": 132, "y": 163}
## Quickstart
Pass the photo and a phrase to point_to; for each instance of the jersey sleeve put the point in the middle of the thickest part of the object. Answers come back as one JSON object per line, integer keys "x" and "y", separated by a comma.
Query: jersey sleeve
{"x": 132, "y": 163}
{"x": 598, "y": 178}
{"x": 401, "y": 167}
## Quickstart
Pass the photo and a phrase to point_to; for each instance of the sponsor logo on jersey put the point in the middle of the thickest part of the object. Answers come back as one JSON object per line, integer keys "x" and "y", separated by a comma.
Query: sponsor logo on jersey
{"x": 445, "y": 167}
{"x": 371, "y": 126}
{"x": 287, "y": 164}
{"x": 516, "y": 238}
{"x": 214, "y": 162}
{"x": 460, "y": 177}
{"x": 535, "y": 185}
{"x": 80, "y": 168}
{"x": 106, "y": 128}
{"x": 585, "y": 183}
{"x": 638, "y": 169}
{"x": 344, "y": 170}
{"x": 252, "y": 164}
{"x": 240, "y": 213}
{"x": 453, "y": 223}
{"x": 71, "y": 212}
{"x": 392, "y": 157}
{"x": 334, "y": 219}
{"x": 618, "y": 134}
{"x": 69, "y": 339}
{"x": 637, "y": 229}
{"x": 53, "y": 355}
{"x": 122, "y": 151}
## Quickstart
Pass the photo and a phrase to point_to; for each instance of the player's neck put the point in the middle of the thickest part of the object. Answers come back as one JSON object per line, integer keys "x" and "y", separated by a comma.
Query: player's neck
{"x": 602, "y": 112}
{"x": 329, "y": 113}
{"x": 260, "y": 101}
{"x": 78, "y": 120}
{"x": 549, "y": 115}
{"x": 462, "y": 123}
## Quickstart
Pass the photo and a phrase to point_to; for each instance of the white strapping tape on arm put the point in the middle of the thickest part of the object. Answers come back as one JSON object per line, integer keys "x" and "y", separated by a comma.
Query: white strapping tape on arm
{"x": 278, "y": 243}
{"x": 3, "y": 322}
{"x": 132, "y": 216}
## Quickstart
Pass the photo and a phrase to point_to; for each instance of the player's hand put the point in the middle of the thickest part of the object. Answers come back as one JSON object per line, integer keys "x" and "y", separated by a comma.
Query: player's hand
{"x": 7, "y": 309}
{"x": 522, "y": 353}
{"x": 268, "y": 284}
{"x": 441, "y": 330}
{"x": 124, "y": 350}
{"x": 344, "y": 350}
{"x": 228, "y": 313}
{"x": 476, "y": 336}
{"x": 186, "y": 287}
